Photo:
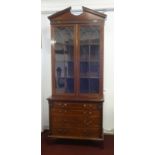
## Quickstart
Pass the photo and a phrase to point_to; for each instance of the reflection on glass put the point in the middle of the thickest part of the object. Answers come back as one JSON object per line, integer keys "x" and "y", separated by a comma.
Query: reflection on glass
{"x": 64, "y": 59}
{"x": 89, "y": 59}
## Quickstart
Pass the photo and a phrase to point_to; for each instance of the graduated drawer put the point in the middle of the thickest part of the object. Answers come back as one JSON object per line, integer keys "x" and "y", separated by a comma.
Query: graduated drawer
{"x": 77, "y": 132}
{"x": 75, "y": 122}
{"x": 76, "y": 105}
{"x": 73, "y": 112}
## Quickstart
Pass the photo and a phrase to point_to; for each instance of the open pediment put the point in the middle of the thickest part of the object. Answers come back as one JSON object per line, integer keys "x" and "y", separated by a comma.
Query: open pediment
{"x": 87, "y": 14}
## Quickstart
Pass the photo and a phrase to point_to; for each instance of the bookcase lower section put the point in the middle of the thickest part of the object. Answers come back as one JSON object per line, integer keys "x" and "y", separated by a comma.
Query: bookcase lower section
{"x": 81, "y": 120}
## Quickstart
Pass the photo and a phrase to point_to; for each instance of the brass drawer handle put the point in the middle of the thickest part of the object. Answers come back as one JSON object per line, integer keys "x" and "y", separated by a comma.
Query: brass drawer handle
{"x": 64, "y": 105}
{"x": 61, "y": 111}
{"x": 89, "y": 112}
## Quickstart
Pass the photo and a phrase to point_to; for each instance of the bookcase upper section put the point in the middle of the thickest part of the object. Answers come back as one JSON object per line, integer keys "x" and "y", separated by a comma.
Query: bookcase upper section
{"x": 77, "y": 50}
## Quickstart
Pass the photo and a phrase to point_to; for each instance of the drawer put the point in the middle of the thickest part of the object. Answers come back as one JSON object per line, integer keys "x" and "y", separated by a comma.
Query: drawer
{"x": 73, "y": 112}
{"x": 77, "y": 132}
{"x": 76, "y": 105}
{"x": 75, "y": 122}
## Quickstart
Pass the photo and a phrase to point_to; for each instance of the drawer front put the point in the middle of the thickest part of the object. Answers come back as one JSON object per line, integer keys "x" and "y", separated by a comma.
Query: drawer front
{"x": 78, "y": 132}
{"x": 75, "y": 122}
{"x": 76, "y": 105}
{"x": 72, "y": 112}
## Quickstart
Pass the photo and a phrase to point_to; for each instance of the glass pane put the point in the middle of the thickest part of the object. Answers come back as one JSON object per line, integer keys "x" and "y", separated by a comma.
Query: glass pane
{"x": 94, "y": 52}
{"x": 69, "y": 53}
{"x": 84, "y": 52}
{"x": 94, "y": 69}
{"x": 89, "y": 59}
{"x": 70, "y": 85}
{"x": 69, "y": 69}
{"x": 94, "y": 85}
{"x": 60, "y": 76}
{"x": 64, "y": 54}
{"x": 84, "y": 85}
{"x": 84, "y": 69}
{"x": 89, "y": 85}
{"x": 69, "y": 65}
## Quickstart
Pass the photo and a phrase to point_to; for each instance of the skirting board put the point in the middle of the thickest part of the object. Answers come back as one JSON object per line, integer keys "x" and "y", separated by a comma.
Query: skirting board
{"x": 109, "y": 132}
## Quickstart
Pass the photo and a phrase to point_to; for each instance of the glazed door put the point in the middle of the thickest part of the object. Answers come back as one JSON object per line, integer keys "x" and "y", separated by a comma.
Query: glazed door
{"x": 63, "y": 58}
{"x": 89, "y": 43}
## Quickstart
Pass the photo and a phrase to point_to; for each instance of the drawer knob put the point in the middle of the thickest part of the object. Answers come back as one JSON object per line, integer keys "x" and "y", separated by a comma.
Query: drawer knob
{"x": 84, "y": 105}
{"x": 64, "y": 105}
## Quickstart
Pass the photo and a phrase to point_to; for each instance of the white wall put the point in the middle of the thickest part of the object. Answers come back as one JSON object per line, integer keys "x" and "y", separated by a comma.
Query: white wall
{"x": 108, "y": 117}
{"x": 53, "y": 5}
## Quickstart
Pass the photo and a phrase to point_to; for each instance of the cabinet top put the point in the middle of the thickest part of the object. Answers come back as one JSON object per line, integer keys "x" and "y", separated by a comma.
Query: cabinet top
{"x": 52, "y": 98}
{"x": 67, "y": 16}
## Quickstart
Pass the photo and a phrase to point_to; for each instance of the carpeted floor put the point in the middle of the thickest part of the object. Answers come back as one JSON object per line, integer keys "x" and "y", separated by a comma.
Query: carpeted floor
{"x": 70, "y": 147}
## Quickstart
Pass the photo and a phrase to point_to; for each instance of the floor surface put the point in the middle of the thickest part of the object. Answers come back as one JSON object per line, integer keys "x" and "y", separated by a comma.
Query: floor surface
{"x": 74, "y": 147}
